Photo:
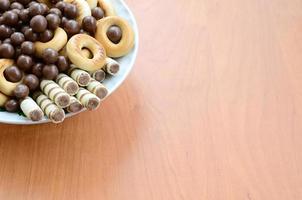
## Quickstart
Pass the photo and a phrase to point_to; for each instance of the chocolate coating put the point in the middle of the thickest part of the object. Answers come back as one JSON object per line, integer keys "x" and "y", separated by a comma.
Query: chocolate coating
{"x": 50, "y": 56}
{"x": 4, "y": 5}
{"x": 89, "y": 24}
{"x": 27, "y": 48}
{"x": 13, "y": 74}
{"x": 97, "y": 13}
{"x": 11, "y": 105}
{"x": 24, "y": 62}
{"x": 114, "y": 33}
{"x": 30, "y": 35}
{"x": 46, "y": 36}
{"x": 16, "y": 5}
{"x": 7, "y": 51}
{"x": 5, "y": 31}
{"x": 63, "y": 64}
{"x": 25, "y": 2}
{"x": 38, "y": 23}
{"x": 53, "y": 21}
{"x": 60, "y": 5}
{"x": 17, "y": 38}
{"x": 55, "y": 11}
{"x": 37, "y": 69}
{"x": 7, "y": 41}
{"x": 10, "y": 18}
{"x": 24, "y": 15}
{"x": 50, "y": 72}
{"x": 70, "y": 11}
{"x": 32, "y": 81}
{"x": 21, "y": 91}
{"x": 36, "y": 9}
{"x": 72, "y": 27}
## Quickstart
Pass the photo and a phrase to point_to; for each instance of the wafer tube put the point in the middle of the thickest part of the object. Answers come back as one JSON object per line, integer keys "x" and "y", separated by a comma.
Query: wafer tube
{"x": 98, "y": 75}
{"x": 112, "y": 67}
{"x": 75, "y": 105}
{"x": 31, "y": 109}
{"x": 89, "y": 100}
{"x": 80, "y": 76}
{"x": 55, "y": 93}
{"x": 3, "y": 99}
{"x": 52, "y": 111}
{"x": 68, "y": 84}
{"x": 98, "y": 89}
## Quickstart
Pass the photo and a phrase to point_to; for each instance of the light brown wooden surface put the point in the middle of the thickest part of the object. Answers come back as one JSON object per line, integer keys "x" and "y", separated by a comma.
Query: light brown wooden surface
{"x": 212, "y": 110}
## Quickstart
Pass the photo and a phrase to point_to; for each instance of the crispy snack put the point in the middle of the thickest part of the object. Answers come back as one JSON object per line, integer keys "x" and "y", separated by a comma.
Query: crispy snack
{"x": 89, "y": 100}
{"x": 112, "y": 67}
{"x": 98, "y": 75}
{"x": 3, "y": 99}
{"x": 107, "y": 7}
{"x": 68, "y": 84}
{"x": 80, "y": 76}
{"x": 75, "y": 105}
{"x": 31, "y": 109}
{"x": 98, "y": 89}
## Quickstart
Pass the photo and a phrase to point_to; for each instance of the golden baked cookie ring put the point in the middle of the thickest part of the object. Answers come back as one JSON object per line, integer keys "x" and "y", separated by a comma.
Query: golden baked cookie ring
{"x": 107, "y": 8}
{"x": 6, "y": 87}
{"x": 74, "y": 51}
{"x": 127, "y": 42}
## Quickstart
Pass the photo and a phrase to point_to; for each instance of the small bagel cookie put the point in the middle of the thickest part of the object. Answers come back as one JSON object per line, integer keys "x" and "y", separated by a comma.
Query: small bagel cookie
{"x": 74, "y": 51}
{"x": 127, "y": 42}
{"x": 6, "y": 87}
{"x": 107, "y": 8}
{"x": 92, "y": 3}
{"x": 83, "y": 9}
{"x": 3, "y": 99}
{"x": 57, "y": 43}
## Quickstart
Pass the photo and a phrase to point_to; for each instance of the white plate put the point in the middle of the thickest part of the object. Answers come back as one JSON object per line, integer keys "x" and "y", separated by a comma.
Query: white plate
{"x": 111, "y": 83}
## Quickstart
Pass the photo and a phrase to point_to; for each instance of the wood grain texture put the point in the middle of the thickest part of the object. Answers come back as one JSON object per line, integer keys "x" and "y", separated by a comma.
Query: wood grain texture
{"x": 212, "y": 110}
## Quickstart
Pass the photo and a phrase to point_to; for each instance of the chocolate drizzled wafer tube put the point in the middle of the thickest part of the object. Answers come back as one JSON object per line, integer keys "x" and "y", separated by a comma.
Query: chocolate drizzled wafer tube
{"x": 55, "y": 93}
{"x": 89, "y": 100}
{"x": 31, "y": 109}
{"x": 68, "y": 84}
{"x": 112, "y": 67}
{"x": 80, "y": 76}
{"x": 98, "y": 89}
{"x": 98, "y": 75}
{"x": 52, "y": 111}
{"x": 75, "y": 105}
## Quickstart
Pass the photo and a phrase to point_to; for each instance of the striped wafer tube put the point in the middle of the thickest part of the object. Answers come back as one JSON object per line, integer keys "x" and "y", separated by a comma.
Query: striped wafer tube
{"x": 52, "y": 111}
{"x": 75, "y": 105}
{"x": 68, "y": 84}
{"x": 97, "y": 88}
{"x": 3, "y": 99}
{"x": 89, "y": 100}
{"x": 55, "y": 93}
{"x": 98, "y": 75}
{"x": 80, "y": 76}
{"x": 31, "y": 109}
{"x": 112, "y": 67}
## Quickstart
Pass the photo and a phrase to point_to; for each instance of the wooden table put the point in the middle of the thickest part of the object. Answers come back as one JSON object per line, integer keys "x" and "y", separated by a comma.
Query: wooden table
{"x": 212, "y": 110}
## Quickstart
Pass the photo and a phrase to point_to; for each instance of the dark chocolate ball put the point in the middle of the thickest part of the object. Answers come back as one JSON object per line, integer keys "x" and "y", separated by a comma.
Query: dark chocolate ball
{"x": 7, "y": 41}
{"x": 63, "y": 64}
{"x": 70, "y": 11}
{"x": 64, "y": 20}
{"x": 72, "y": 27}
{"x": 60, "y": 5}
{"x": 21, "y": 91}
{"x": 32, "y": 81}
{"x": 55, "y": 11}
{"x": 10, "y": 18}
{"x": 25, "y": 62}
{"x": 50, "y": 56}
{"x": 7, "y": 50}
{"x": 27, "y": 48}
{"x": 50, "y": 72}
{"x": 46, "y": 36}
{"x": 25, "y": 2}
{"x": 45, "y": 8}
{"x": 38, "y": 23}
{"x": 4, "y": 5}
{"x": 24, "y": 28}
{"x": 114, "y": 33}
{"x": 5, "y": 31}
{"x": 53, "y": 21}
{"x": 30, "y": 35}
{"x": 36, "y": 9}
{"x": 24, "y": 15}
{"x": 37, "y": 69}
{"x": 17, "y": 11}
{"x": 17, "y": 38}
{"x": 13, "y": 74}
{"x": 89, "y": 24}
{"x": 16, "y": 5}
{"x": 97, "y": 13}
{"x": 11, "y": 105}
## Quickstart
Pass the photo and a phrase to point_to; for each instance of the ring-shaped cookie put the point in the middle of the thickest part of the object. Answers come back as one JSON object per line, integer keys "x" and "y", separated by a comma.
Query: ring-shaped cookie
{"x": 127, "y": 41}
{"x": 107, "y": 8}
{"x": 74, "y": 52}
{"x": 6, "y": 87}
{"x": 83, "y": 9}
{"x": 3, "y": 99}
{"x": 92, "y": 3}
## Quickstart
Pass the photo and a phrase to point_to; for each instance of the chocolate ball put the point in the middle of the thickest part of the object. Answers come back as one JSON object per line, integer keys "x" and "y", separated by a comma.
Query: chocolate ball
{"x": 24, "y": 62}
{"x": 50, "y": 56}
{"x": 37, "y": 69}
{"x": 45, "y": 8}
{"x": 7, "y": 51}
{"x": 63, "y": 64}
{"x": 114, "y": 34}
{"x": 70, "y": 11}
{"x": 13, "y": 74}
{"x": 64, "y": 20}
{"x": 89, "y": 24}
{"x": 54, "y": 1}
{"x": 11, "y": 105}
{"x": 50, "y": 72}
{"x": 38, "y": 23}
{"x": 27, "y": 48}
{"x": 4, "y": 5}
{"x": 5, "y": 31}
{"x": 21, "y": 91}
{"x": 17, "y": 38}
{"x": 46, "y": 36}
{"x": 36, "y": 9}
{"x": 24, "y": 28}
{"x": 97, "y": 13}
{"x": 72, "y": 27}
{"x": 24, "y": 15}
{"x": 55, "y": 11}
{"x": 7, "y": 41}
{"x": 30, "y": 35}
{"x": 16, "y": 5}
{"x": 53, "y": 21}
{"x": 17, "y": 11}
{"x": 32, "y": 81}
{"x": 60, "y": 5}
{"x": 25, "y": 2}
{"x": 10, "y": 18}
